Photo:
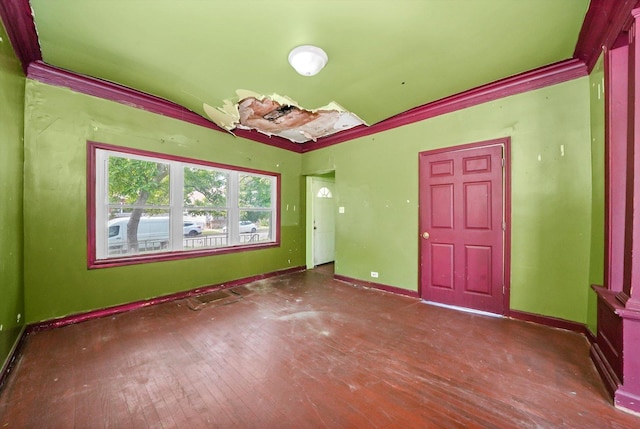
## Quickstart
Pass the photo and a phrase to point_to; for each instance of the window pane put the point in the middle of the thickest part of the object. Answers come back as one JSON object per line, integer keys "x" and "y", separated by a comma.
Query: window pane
{"x": 128, "y": 211}
{"x": 254, "y": 191}
{"x": 135, "y": 182}
{"x": 254, "y": 226}
{"x": 204, "y": 188}
{"x": 213, "y": 234}
{"x": 133, "y": 235}
{"x": 147, "y": 204}
{"x": 324, "y": 192}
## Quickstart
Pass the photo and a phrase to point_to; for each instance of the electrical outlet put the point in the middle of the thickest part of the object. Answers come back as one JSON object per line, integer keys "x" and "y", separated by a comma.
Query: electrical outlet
{"x": 374, "y": 274}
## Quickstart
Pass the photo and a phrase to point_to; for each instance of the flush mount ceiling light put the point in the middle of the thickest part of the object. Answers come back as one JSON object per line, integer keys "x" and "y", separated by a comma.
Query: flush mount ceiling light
{"x": 308, "y": 60}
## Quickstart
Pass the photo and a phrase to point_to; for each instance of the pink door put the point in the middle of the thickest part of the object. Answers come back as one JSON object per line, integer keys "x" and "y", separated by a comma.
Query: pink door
{"x": 462, "y": 227}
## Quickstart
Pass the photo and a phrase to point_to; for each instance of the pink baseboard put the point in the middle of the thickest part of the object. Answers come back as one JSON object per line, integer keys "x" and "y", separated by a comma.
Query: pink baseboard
{"x": 554, "y": 322}
{"x": 607, "y": 374}
{"x": 11, "y": 358}
{"x": 109, "y": 311}
{"x": 81, "y": 317}
{"x": 386, "y": 288}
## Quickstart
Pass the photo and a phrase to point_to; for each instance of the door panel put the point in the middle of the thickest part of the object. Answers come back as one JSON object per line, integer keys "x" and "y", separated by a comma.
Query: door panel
{"x": 442, "y": 265}
{"x": 477, "y": 205}
{"x": 478, "y": 263}
{"x": 461, "y": 210}
{"x": 442, "y": 213}
{"x": 323, "y": 221}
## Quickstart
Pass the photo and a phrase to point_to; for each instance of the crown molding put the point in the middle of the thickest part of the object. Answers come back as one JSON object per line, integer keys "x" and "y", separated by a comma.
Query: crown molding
{"x": 603, "y": 23}
{"x": 17, "y": 18}
{"x": 45, "y": 73}
{"x": 528, "y": 81}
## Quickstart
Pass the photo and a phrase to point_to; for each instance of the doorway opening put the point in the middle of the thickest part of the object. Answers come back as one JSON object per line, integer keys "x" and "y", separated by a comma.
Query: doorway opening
{"x": 320, "y": 229}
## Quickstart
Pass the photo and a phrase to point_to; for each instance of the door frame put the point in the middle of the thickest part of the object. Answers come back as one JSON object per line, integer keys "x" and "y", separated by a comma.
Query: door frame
{"x": 310, "y": 207}
{"x": 505, "y": 142}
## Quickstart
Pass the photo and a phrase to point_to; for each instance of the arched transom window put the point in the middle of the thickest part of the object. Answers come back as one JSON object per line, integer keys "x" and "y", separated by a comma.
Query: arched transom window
{"x": 324, "y": 192}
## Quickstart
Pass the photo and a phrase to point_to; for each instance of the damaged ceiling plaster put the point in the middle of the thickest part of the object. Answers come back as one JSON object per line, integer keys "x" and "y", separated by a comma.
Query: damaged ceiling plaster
{"x": 280, "y": 116}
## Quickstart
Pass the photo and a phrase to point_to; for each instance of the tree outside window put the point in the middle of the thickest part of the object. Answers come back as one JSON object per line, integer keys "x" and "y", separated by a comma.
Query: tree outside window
{"x": 150, "y": 204}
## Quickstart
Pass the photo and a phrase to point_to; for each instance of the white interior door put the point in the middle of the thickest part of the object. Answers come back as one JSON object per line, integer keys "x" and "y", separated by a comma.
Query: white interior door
{"x": 323, "y": 220}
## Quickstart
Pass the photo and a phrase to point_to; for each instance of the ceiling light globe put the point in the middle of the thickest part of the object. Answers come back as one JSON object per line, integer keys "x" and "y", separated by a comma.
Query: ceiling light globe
{"x": 308, "y": 60}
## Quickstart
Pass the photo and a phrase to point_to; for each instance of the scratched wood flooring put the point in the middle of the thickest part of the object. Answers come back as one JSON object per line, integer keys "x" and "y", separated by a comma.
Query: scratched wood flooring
{"x": 306, "y": 351}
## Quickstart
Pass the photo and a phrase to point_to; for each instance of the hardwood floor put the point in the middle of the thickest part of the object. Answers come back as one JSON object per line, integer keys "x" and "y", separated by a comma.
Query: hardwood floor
{"x": 306, "y": 351}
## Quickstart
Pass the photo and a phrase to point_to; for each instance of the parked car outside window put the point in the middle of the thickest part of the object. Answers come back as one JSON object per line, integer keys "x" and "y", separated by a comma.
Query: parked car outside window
{"x": 192, "y": 229}
{"x": 245, "y": 226}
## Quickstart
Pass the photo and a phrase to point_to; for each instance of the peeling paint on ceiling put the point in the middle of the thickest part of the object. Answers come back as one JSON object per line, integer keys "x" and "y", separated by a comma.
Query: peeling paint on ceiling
{"x": 429, "y": 49}
{"x": 281, "y": 116}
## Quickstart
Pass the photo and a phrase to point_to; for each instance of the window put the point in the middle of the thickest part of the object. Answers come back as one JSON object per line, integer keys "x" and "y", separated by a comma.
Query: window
{"x": 148, "y": 207}
{"x": 324, "y": 192}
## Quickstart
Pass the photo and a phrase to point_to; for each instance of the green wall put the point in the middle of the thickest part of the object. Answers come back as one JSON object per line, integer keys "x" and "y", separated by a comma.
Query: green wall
{"x": 58, "y": 123}
{"x": 554, "y": 255}
{"x": 596, "y": 272}
{"x": 11, "y": 149}
{"x": 377, "y": 183}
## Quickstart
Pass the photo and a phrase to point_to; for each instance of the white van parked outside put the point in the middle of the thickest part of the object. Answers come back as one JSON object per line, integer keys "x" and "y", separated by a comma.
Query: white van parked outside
{"x": 153, "y": 234}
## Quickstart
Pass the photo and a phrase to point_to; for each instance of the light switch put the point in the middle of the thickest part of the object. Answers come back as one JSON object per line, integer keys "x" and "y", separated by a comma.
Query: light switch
{"x": 340, "y": 209}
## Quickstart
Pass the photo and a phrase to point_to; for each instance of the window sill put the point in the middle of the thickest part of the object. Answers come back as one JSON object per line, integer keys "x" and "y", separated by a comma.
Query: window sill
{"x": 173, "y": 256}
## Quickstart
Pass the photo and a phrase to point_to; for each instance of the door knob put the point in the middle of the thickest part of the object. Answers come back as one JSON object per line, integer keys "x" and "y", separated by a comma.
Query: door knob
{"x": 425, "y": 235}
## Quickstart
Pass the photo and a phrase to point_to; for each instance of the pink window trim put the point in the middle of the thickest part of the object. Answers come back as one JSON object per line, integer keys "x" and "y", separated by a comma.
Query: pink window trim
{"x": 93, "y": 262}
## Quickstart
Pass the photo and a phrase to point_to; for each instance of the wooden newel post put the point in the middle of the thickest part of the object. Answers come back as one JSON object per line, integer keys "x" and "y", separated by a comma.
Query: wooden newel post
{"x": 616, "y": 352}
